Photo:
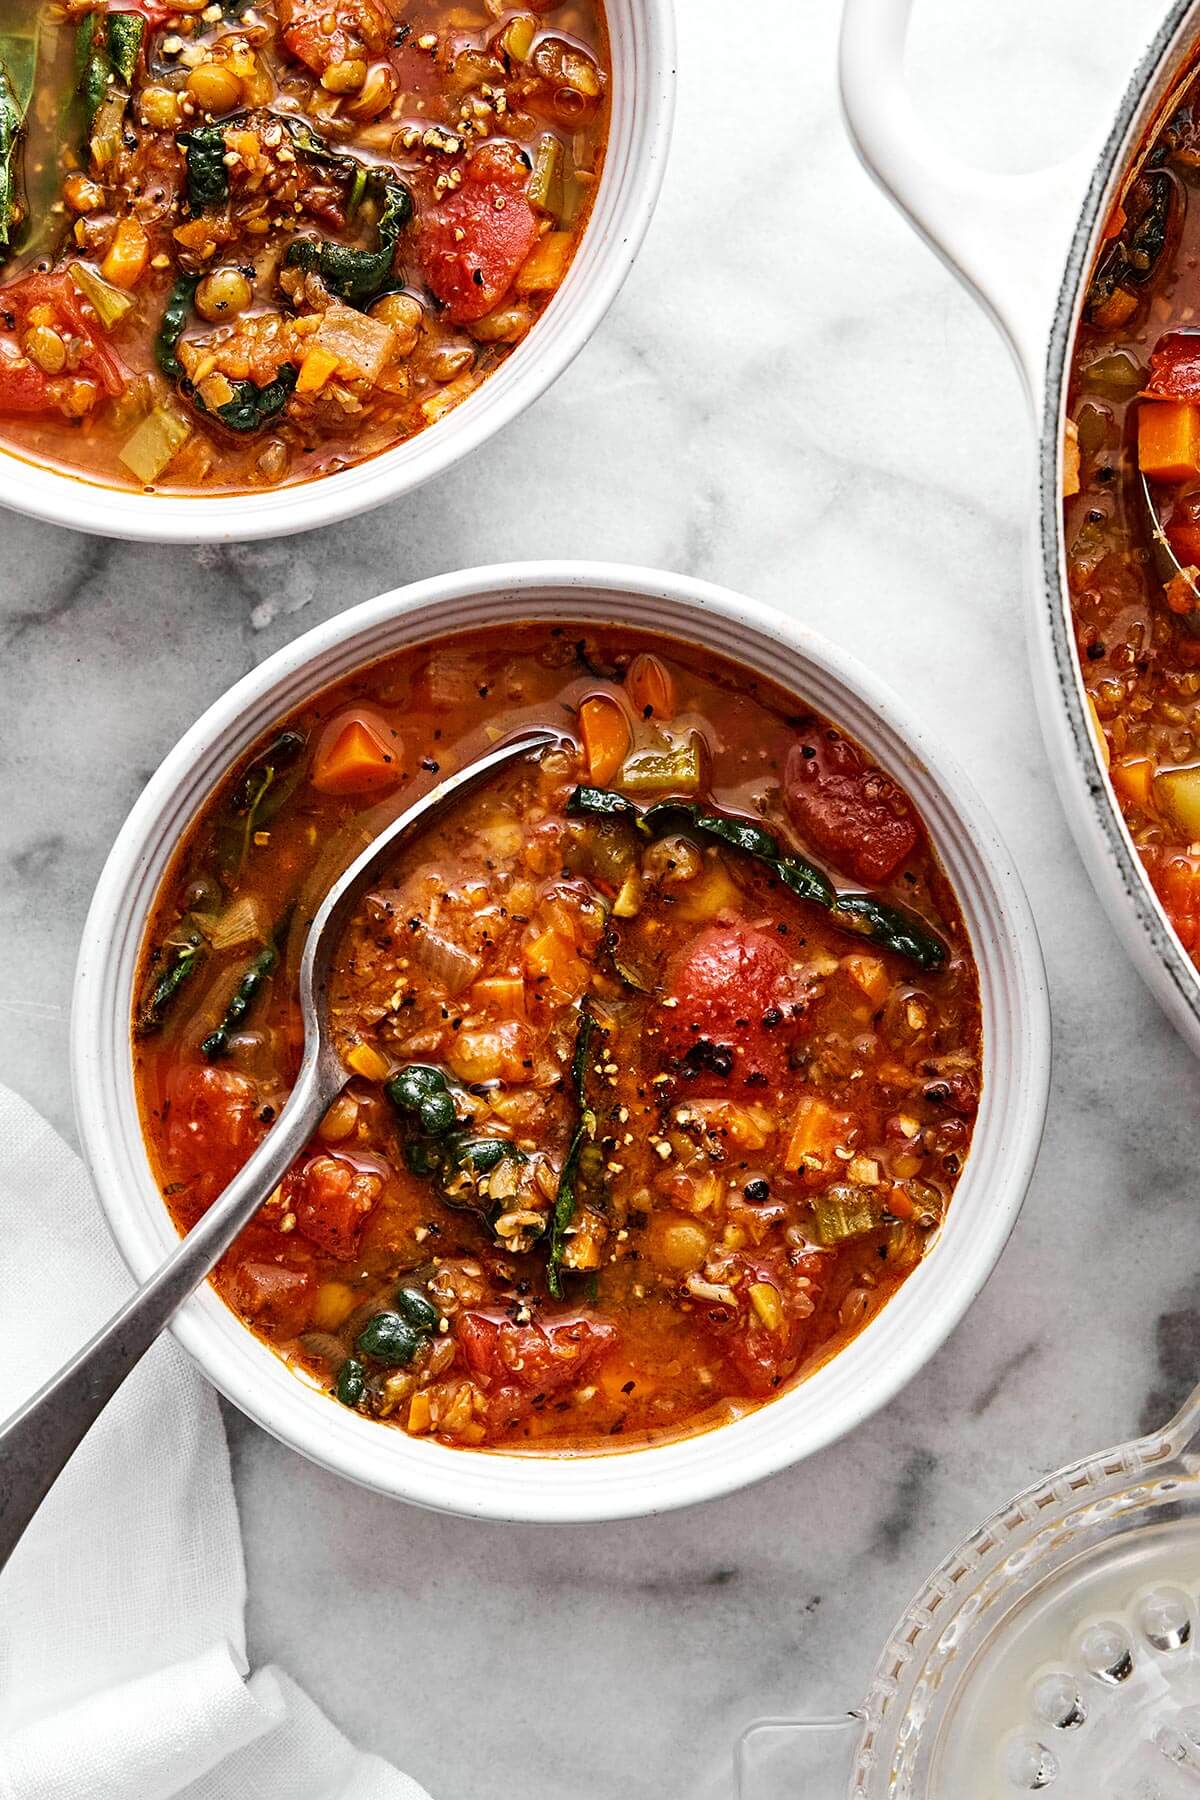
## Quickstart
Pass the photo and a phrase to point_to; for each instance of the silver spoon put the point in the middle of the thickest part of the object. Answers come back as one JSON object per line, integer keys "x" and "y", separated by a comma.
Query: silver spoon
{"x": 36, "y": 1443}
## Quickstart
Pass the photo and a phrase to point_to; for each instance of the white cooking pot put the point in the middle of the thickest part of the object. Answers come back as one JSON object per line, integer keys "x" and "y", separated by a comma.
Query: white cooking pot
{"x": 642, "y": 42}
{"x": 1024, "y": 246}
{"x": 897, "y": 1341}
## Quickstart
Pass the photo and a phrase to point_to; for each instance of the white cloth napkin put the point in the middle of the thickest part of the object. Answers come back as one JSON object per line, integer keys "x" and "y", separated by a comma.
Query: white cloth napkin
{"x": 123, "y": 1671}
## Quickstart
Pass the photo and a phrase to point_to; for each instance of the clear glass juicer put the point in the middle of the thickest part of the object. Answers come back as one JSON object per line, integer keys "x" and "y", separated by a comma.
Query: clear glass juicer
{"x": 1056, "y": 1650}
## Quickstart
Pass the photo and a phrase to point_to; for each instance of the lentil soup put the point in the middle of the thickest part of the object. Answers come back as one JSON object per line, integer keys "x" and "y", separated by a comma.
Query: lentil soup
{"x": 666, "y": 1048}
{"x": 1132, "y": 504}
{"x": 250, "y": 245}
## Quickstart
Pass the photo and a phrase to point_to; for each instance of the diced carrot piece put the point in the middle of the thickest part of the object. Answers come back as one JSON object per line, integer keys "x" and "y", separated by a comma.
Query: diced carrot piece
{"x": 817, "y": 1131}
{"x": 127, "y": 255}
{"x": 355, "y": 759}
{"x": 201, "y": 235}
{"x": 546, "y": 263}
{"x": 420, "y": 1413}
{"x": 366, "y": 1061}
{"x": 315, "y": 370}
{"x": 1169, "y": 440}
{"x": 503, "y": 995}
{"x": 900, "y": 1204}
{"x": 547, "y": 953}
{"x": 1131, "y": 777}
{"x": 1117, "y": 310}
{"x": 606, "y": 737}
{"x": 869, "y": 974}
{"x": 1070, "y": 475}
{"x": 554, "y": 967}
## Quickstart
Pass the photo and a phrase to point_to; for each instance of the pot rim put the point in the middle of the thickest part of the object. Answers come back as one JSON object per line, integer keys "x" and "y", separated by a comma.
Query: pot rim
{"x": 642, "y": 36}
{"x": 1125, "y": 867}
{"x": 902, "y": 1336}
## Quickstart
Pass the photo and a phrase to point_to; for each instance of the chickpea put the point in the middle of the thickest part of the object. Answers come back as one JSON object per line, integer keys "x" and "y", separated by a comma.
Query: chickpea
{"x": 672, "y": 860}
{"x": 47, "y": 349}
{"x": 506, "y": 325}
{"x": 222, "y": 295}
{"x": 448, "y": 360}
{"x": 684, "y": 1245}
{"x": 345, "y": 77}
{"x": 405, "y": 316}
{"x": 160, "y": 108}
{"x": 335, "y": 1302}
{"x": 214, "y": 88}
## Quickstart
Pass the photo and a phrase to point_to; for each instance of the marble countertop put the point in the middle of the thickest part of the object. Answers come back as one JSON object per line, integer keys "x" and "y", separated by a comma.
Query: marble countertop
{"x": 808, "y": 409}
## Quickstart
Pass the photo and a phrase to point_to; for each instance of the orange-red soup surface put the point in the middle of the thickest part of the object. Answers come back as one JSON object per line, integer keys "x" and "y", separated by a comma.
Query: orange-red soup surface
{"x": 666, "y": 1049}
{"x": 248, "y": 245}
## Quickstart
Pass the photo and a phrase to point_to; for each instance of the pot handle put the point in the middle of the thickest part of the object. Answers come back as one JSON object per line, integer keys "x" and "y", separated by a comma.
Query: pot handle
{"x": 1005, "y": 236}
{"x": 796, "y": 1759}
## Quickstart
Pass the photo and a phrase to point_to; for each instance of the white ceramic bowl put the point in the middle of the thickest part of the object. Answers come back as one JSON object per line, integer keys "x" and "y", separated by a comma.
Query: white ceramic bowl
{"x": 642, "y": 41}
{"x": 1024, "y": 245}
{"x": 894, "y": 1345}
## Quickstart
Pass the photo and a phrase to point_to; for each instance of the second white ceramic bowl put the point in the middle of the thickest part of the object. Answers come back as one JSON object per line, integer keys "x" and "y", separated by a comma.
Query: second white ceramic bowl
{"x": 894, "y": 1345}
{"x": 642, "y": 43}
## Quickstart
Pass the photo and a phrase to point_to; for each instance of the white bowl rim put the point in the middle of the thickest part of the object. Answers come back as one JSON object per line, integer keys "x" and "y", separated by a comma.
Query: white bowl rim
{"x": 869, "y": 1371}
{"x": 596, "y": 276}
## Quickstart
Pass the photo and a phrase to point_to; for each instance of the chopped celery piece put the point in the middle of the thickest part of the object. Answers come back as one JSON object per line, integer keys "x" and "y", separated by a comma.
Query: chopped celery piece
{"x": 1178, "y": 793}
{"x": 107, "y": 128}
{"x": 1118, "y": 374}
{"x": 160, "y": 437}
{"x": 845, "y": 1212}
{"x": 545, "y": 184}
{"x": 676, "y": 769}
{"x": 108, "y": 303}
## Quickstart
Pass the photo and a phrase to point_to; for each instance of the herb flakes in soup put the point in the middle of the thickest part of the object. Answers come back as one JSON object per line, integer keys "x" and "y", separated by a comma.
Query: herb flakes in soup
{"x": 243, "y": 246}
{"x": 666, "y": 1049}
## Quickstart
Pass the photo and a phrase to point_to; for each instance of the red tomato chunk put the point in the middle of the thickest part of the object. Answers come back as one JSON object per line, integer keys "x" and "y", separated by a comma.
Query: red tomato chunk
{"x": 534, "y": 1359}
{"x": 729, "y": 1016}
{"x": 854, "y": 814}
{"x": 332, "y": 1200}
{"x": 473, "y": 243}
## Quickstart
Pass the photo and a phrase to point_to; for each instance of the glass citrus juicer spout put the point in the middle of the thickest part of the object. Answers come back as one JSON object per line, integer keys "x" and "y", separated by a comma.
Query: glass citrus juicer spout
{"x": 1056, "y": 1650}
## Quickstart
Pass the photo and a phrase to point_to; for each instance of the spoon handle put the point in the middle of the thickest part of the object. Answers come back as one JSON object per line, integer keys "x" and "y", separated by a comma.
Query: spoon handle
{"x": 38, "y": 1440}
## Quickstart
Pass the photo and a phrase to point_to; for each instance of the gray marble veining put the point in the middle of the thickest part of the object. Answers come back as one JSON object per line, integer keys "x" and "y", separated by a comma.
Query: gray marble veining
{"x": 793, "y": 397}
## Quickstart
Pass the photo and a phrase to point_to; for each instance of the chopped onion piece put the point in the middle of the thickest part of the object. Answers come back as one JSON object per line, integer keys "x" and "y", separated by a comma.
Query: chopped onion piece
{"x": 454, "y": 967}
{"x": 242, "y": 922}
